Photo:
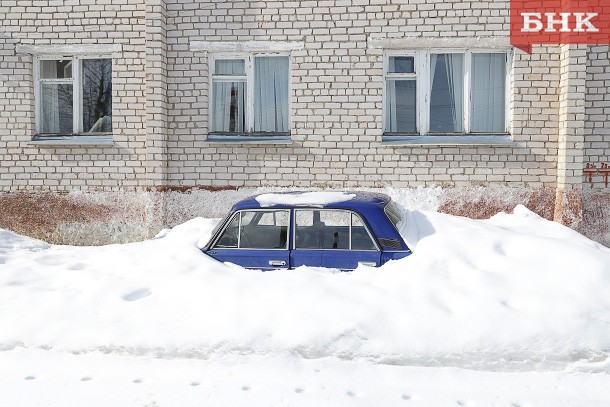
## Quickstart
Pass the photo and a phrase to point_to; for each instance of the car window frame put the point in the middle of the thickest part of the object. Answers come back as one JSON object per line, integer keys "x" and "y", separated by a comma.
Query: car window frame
{"x": 351, "y": 212}
{"x": 219, "y": 234}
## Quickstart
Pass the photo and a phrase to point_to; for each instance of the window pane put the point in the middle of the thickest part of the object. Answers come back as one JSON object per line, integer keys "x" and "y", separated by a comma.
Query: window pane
{"x": 400, "y": 112}
{"x": 401, "y": 65}
{"x": 56, "y": 69}
{"x": 271, "y": 94}
{"x": 229, "y": 236}
{"x": 230, "y": 67}
{"x": 264, "y": 230}
{"x": 446, "y": 93}
{"x": 56, "y": 108}
{"x": 488, "y": 93}
{"x": 229, "y": 106}
{"x": 322, "y": 229}
{"x": 393, "y": 213}
{"x": 97, "y": 95}
{"x": 361, "y": 240}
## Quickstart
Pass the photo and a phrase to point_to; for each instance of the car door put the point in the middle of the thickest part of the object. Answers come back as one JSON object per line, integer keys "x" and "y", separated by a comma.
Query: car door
{"x": 333, "y": 238}
{"x": 256, "y": 238}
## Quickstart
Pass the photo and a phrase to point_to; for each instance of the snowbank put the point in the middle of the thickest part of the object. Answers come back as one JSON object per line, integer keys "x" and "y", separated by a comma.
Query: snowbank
{"x": 515, "y": 291}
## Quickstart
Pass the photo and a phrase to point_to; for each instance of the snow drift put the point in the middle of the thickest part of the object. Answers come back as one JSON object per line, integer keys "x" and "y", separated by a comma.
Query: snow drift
{"x": 515, "y": 291}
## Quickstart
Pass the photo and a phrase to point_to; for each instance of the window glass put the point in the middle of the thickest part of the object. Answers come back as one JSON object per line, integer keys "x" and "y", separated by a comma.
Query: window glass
{"x": 264, "y": 229}
{"x": 271, "y": 94}
{"x": 54, "y": 69}
{"x": 229, "y": 107}
{"x": 266, "y": 80}
{"x": 229, "y": 236}
{"x": 446, "y": 93}
{"x": 361, "y": 240}
{"x": 322, "y": 229}
{"x": 488, "y": 93}
{"x": 401, "y": 113}
{"x": 61, "y": 89}
{"x": 401, "y": 64}
{"x": 233, "y": 67}
{"x": 56, "y": 108}
{"x": 393, "y": 213}
{"x": 97, "y": 95}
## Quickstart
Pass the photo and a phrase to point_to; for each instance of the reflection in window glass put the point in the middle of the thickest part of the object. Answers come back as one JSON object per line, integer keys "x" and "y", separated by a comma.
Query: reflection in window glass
{"x": 97, "y": 95}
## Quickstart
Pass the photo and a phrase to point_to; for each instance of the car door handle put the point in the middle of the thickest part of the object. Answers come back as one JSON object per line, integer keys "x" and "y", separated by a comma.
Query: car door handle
{"x": 277, "y": 263}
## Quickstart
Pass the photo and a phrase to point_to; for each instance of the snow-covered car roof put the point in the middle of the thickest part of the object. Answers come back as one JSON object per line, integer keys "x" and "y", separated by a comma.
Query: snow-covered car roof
{"x": 356, "y": 200}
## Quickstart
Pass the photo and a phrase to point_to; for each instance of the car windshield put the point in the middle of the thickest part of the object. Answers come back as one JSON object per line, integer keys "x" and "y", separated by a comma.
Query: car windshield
{"x": 218, "y": 226}
{"x": 393, "y": 213}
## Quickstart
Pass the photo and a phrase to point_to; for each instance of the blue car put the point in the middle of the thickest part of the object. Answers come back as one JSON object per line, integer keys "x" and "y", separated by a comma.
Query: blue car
{"x": 320, "y": 229}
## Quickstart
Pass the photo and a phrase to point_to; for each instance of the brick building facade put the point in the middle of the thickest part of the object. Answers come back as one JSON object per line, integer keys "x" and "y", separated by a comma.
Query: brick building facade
{"x": 366, "y": 84}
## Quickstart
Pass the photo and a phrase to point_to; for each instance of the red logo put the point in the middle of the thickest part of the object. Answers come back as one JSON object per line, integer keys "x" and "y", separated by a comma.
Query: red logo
{"x": 559, "y": 22}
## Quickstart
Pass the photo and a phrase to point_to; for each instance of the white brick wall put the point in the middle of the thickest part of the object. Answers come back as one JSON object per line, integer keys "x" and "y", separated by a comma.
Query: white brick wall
{"x": 23, "y": 166}
{"x": 597, "y": 109}
{"x": 161, "y": 97}
{"x": 337, "y": 97}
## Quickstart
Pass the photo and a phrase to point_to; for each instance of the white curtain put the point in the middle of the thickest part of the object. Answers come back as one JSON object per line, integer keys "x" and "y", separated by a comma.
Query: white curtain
{"x": 271, "y": 94}
{"x": 447, "y": 93}
{"x": 50, "y": 98}
{"x": 229, "y": 98}
{"x": 401, "y": 106}
{"x": 488, "y": 93}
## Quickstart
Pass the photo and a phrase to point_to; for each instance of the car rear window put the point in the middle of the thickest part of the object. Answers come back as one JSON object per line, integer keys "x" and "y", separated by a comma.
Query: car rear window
{"x": 393, "y": 213}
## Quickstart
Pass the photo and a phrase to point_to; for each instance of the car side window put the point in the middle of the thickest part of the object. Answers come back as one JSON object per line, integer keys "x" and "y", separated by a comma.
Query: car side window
{"x": 256, "y": 230}
{"x": 229, "y": 236}
{"x": 330, "y": 229}
{"x": 361, "y": 240}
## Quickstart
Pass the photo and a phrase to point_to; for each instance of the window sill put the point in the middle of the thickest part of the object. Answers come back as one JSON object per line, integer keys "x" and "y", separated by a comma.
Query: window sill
{"x": 72, "y": 140}
{"x": 246, "y": 139}
{"x": 453, "y": 140}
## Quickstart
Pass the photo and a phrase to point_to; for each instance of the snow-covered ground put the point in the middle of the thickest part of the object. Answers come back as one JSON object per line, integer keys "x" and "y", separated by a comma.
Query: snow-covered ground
{"x": 510, "y": 311}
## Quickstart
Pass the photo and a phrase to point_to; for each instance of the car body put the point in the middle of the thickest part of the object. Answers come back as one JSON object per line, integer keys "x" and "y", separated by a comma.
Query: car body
{"x": 320, "y": 229}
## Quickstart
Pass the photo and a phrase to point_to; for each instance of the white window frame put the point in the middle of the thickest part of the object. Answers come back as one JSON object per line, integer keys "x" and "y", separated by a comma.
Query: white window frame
{"x": 248, "y": 58}
{"x": 76, "y": 81}
{"x": 422, "y": 73}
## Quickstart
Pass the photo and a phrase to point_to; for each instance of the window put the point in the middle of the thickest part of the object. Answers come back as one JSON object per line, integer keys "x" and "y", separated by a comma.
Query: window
{"x": 445, "y": 93}
{"x": 256, "y": 230}
{"x": 74, "y": 95}
{"x": 250, "y": 95}
{"x": 331, "y": 229}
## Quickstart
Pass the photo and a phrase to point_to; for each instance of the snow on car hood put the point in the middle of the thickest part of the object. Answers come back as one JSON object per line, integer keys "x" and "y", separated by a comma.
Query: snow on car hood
{"x": 512, "y": 288}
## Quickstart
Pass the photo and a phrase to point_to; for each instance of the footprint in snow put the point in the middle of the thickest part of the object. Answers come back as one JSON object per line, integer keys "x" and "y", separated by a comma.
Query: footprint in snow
{"x": 351, "y": 393}
{"x": 137, "y": 295}
{"x": 85, "y": 379}
{"x": 298, "y": 390}
{"x": 406, "y": 397}
{"x": 194, "y": 384}
{"x": 30, "y": 377}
